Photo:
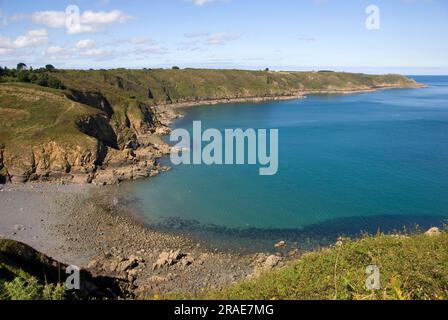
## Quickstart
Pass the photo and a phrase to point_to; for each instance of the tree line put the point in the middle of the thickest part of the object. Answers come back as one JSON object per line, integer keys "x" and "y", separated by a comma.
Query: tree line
{"x": 22, "y": 73}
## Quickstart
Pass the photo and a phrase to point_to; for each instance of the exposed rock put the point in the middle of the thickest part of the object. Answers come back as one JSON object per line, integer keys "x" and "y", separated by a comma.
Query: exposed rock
{"x": 263, "y": 264}
{"x": 294, "y": 253}
{"x": 271, "y": 262}
{"x": 187, "y": 260}
{"x": 167, "y": 259}
{"x": 280, "y": 245}
{"x": 127, "y": 265}
{"x": 433, "y": 232}
{"x": 94, "y": 264}
{"x": 339, "y": 242}
{"x": 162, "y": 131}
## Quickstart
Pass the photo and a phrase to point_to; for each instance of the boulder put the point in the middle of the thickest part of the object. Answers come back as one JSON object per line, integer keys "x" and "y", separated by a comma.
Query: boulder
{"x": 433, "y": 232}
{"x": 280, "y": 245}
{"x": 167, "y": 259}
{"x": 271, "y": 262}
{"x": 187, "y": 260}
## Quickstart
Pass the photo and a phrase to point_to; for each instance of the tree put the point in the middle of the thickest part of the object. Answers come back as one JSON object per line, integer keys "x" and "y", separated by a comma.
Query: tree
{"x": 50, "y": 67}
{"x": 24, "y": 76}
{"x": 267, "y": 69}
{"x": 176, "y": 68}
{"x": 21, "y": 66}
{"x": 42, "y": 80}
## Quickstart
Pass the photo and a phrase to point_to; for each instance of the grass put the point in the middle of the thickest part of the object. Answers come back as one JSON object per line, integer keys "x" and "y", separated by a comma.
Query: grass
{"x": 159, "y": 86}
{"x": 411, "y": 268}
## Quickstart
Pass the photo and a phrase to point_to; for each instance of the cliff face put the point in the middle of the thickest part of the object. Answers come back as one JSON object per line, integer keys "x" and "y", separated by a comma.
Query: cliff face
{"x": 106, "y": 126}
{"x": 47, "y": 136}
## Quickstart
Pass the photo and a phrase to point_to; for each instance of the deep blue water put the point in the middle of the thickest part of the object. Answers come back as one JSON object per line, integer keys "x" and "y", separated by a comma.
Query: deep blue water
{"x": 374, "y": 161}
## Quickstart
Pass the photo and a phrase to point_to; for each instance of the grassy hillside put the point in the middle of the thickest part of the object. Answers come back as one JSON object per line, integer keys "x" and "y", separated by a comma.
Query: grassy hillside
{"x": 164, "y": 86}
{"x": 39, "y": 126}
{"x": 411, "y": 267}
{"x": 95, "y": 120}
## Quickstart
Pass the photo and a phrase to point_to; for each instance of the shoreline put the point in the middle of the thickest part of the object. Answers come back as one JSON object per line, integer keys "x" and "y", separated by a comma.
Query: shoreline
{"x": 299, "y": 95}
{"x": 96, "y": 229}
{"x": 93, "y": 227}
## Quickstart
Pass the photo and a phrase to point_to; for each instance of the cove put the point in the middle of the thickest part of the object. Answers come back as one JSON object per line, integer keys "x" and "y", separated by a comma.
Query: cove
{"x": 373, "y": 161}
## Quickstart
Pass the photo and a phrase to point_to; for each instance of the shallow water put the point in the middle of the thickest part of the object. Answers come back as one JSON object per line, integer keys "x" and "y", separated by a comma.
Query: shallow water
{"x": 373, "y": 161}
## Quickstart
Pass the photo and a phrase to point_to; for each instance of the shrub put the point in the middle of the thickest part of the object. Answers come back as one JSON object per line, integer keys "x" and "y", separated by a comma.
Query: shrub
{"x": 50, "y": 67}
{"x": 30, "y": 289}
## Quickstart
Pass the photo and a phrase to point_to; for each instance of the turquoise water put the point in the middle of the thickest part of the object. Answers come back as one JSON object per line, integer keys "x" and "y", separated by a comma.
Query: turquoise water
{"x": 364, "y": 161}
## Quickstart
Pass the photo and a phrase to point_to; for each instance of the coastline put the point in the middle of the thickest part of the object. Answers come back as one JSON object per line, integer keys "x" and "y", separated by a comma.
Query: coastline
{"x": 93, "y": 227}
{"x": 297, "y": 96}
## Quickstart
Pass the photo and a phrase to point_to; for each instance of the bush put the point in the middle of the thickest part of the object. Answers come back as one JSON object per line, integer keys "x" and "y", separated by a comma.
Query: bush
{"x": 50, "y": 67}
{"x": 39, "y": 76}
{"x": 30, "y": 289}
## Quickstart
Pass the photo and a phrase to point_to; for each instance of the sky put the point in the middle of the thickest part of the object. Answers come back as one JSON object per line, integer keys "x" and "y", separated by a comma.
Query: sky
{"x": 397, "y": 36}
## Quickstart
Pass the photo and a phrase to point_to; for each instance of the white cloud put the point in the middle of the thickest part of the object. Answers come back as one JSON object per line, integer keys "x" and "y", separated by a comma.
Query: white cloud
{"x": 85, "y": 44}
{"x": 89, "y": 21}
{"x": 155, "y": 49}
{"x": 196, "y": 35}
{"x": 32, "y": 38}
{"x": 139, "y": 40}
{"x": 16, "y": 18}
{"x": 202, "y": 2}
{"x": 222, "y": 38}
{"x": 103, "y": 18}
{"x": 5, "y": 51}
{"x": 56, "y": 52}
{"x": 96, "y": 53}
{"x": 5, "y": 43}
{"x": 51, "y": 19}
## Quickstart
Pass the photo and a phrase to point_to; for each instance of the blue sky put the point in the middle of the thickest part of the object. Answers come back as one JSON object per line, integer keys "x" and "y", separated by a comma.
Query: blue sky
{"x": 251, "y": 34}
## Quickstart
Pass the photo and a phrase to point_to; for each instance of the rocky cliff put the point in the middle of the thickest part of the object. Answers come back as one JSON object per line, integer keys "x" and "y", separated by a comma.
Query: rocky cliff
{"x": 105, "y": 126}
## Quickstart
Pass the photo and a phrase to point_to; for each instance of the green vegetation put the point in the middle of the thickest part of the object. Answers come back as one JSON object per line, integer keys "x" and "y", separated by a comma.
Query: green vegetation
{"x": 54, "y": 120}
{"x": 32, "y": 115}
{"x": 40, "y": 77}
{"x": 30, "y": 289}
{"x": 411, "y": 267}
{"x": 20, "y": 269}
{"x": 159, "y": 86}
{"x": 26, "y": 274}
